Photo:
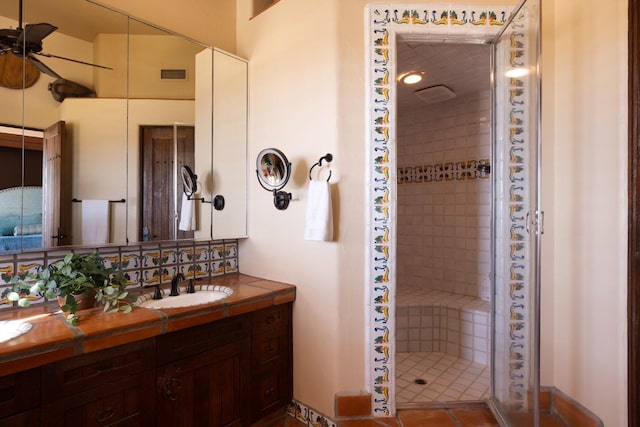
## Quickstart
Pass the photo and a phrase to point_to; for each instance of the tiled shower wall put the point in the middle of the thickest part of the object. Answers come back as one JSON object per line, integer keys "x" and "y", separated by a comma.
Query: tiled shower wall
{"x": 443, "y": 200}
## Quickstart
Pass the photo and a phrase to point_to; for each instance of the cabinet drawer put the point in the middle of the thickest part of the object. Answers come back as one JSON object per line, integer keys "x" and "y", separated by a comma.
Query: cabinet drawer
{"x": 93, "y": 370}
{"x": 192, "y": 341}
{"x": 268, "y": 348}
{"x": 270, "y": 319}
{"x": 270, "y": 392}
{"x": 19, "y": 392}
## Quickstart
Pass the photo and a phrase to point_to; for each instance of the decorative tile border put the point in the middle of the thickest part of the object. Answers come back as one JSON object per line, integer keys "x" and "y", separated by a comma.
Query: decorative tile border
{"x": 513, "y": 326}
{"x": 308, "y": 416}
{"x": 382, "y": 23}
{"x": 450, "y": 171}
{"x": 144, "y": 264}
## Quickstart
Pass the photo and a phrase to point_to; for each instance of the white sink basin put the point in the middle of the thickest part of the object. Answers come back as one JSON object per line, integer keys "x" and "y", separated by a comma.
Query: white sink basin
{"x": 10, "y": 329}
{"x": 204, "y": 294}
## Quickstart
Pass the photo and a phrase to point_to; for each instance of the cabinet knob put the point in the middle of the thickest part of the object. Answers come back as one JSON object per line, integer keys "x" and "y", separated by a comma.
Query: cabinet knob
{"x": 173, "y": 388}
{"x": 105, "y": 415}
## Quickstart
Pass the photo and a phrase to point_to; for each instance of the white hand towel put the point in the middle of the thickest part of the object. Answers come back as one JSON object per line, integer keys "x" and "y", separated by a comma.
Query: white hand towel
{"x": 95, "y": 222}
{"x": 319, "y": 216}
{"x": 187, "y": 214}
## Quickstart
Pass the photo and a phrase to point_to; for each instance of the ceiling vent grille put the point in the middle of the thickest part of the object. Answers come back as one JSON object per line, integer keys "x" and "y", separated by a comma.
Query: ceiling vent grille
{"x": 435, "y": 94}
{"x": 173, "y": 74}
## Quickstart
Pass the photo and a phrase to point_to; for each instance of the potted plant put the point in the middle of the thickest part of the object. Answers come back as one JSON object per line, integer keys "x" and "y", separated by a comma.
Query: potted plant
{"x": 76, "y": 279}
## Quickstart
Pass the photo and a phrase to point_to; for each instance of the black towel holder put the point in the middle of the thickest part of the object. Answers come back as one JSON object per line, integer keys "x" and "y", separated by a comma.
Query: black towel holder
{"x": 328, "y": 158}
{"x": 74, "y": 200}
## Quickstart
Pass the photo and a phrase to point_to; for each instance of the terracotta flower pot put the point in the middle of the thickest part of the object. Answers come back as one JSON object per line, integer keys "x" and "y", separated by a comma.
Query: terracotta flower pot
{"x": 84, "y": 300}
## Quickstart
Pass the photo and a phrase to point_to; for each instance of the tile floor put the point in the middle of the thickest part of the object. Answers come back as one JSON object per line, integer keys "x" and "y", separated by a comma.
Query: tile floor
{"x": 460, "y": 417}
{"x": 447, "y": 378}
{"x": 454, "y": 417}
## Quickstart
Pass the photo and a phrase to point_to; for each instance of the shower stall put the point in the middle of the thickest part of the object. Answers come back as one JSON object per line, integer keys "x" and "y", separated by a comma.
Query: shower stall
{"x": 455, "y": 219}
{"x": 443, "y": 281}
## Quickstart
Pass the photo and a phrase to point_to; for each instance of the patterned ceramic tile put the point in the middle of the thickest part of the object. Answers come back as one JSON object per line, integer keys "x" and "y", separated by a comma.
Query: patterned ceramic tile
{"x": 170, "y": 256}
{"x": 231, "y": 265}
{"x": 111, "y": 259}
{"x": 231, "y": 249}
{"x": 150, "y": 258}
{"x": 151, "y": 276}
{"x": 217, "y": 252}
{"x": 129, "y": 259}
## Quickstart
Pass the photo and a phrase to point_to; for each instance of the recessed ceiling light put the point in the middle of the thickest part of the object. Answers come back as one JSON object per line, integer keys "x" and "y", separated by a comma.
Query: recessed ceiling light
{"x": 516, "y": 72}
{"x": 411, "y": 77}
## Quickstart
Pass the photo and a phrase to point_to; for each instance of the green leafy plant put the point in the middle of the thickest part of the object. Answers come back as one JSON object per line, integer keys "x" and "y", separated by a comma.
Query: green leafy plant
{"x": 76, "y": 274}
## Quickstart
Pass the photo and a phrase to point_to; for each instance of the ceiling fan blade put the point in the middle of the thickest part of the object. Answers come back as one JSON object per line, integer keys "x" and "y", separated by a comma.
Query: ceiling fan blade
{"x": 43, "y": 67}
{"x": 34, "y": 33}
{"x": 49, "y": 55}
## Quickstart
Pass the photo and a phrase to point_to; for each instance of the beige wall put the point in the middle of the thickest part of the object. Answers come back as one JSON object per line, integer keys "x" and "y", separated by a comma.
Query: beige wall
{"x": 589, "y": 205}
{"x": 294, "y": 97}
{"x": 212, "y": 22}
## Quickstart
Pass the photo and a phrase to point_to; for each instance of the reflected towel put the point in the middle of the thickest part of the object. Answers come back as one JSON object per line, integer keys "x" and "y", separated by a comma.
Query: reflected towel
{"x": 95, "y": 222}
{"x": 187, "y": 214}
{"x": 319, "y": 224}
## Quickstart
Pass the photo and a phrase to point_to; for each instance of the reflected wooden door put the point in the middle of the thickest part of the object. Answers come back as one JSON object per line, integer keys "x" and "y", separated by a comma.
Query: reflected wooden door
{"x": 55, "y": 184}
{"x": 161, "y": 190}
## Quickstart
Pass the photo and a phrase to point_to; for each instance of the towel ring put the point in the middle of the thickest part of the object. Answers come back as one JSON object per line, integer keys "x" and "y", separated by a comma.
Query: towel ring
{"x": 328, "y": 158}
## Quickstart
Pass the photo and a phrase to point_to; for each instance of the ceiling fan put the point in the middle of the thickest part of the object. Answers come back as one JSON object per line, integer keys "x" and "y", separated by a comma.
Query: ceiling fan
{"x": 27, "y": 42}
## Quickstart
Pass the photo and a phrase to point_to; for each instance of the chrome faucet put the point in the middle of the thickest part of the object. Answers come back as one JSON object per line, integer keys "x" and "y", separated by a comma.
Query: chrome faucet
{"x": 174, "y": 284}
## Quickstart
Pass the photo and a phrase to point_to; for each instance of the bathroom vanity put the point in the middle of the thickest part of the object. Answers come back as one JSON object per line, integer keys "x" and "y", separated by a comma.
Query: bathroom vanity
{"x": 223, "y": 363}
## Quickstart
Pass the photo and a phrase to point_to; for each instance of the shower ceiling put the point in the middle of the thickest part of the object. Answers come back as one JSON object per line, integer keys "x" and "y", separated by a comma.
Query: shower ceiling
{"x": 463, "y": 68}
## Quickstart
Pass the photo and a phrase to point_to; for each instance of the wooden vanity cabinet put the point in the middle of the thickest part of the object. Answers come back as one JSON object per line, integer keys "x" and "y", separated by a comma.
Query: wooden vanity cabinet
{"x": 203, "y": 375}
{"x": 109, "y": 387}
{"x": 231, "y": 372}
{"x": 20, "y": 399}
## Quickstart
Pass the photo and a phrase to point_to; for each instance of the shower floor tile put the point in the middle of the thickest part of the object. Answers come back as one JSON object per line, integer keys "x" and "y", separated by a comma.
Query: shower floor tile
{"x": 447, "y": 378}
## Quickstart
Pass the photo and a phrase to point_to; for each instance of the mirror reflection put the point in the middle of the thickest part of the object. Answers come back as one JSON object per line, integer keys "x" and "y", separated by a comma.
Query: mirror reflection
{"x": 189, "y": 181}
{"x": 127, "y": 137}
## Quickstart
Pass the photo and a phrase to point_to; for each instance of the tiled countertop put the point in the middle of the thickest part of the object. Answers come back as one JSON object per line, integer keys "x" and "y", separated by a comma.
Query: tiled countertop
{"x": 52, "y": 338}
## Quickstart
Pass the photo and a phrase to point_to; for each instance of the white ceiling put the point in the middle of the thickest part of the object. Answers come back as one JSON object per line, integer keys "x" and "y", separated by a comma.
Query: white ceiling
{"x": 463, "y": 68}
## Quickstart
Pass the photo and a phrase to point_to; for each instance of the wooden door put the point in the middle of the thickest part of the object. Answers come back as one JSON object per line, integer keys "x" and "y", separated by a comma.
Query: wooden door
{"x": 162, "y": 156}
{"x": 55, "y": 185}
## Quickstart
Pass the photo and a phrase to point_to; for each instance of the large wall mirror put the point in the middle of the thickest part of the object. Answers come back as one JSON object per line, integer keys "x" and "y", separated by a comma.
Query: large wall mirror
{"x": 92, "y": 156}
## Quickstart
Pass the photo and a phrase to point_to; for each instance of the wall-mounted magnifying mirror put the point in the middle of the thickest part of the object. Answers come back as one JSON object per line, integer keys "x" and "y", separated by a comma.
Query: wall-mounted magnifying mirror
{"x": 274, "y": 170}
{"x": 189, "y": 181}
{"x": 190, "y": 187}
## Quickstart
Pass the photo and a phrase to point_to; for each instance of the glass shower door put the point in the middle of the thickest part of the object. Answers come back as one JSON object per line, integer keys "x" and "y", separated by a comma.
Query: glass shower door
{"x": 517, "y": 217}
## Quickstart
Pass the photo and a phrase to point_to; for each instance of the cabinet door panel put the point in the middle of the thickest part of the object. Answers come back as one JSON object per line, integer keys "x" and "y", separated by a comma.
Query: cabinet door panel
{"x": 25, "y": 419}
{"x": 19, "y": 392}
{"x": 125, "y": 403}
{"x": 207, "y": 389}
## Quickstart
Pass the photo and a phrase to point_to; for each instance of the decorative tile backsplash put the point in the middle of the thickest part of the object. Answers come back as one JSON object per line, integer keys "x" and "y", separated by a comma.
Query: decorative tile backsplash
{"x": 450, "y": 171}
{"x": 144, "y": 264}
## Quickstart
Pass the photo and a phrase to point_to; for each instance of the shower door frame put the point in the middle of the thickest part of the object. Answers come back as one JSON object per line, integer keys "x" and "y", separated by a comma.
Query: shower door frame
{"x": 633, "y": 261}
{"x": 426, "y": 22}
